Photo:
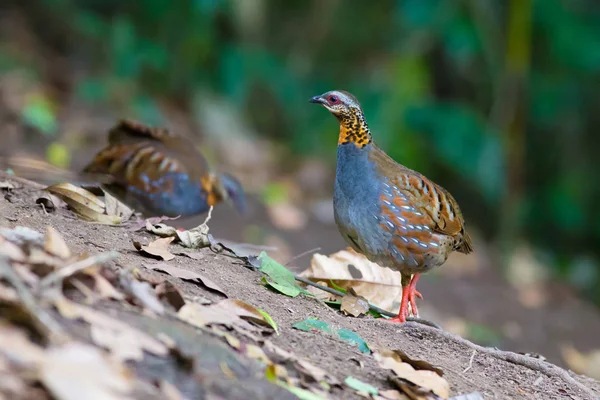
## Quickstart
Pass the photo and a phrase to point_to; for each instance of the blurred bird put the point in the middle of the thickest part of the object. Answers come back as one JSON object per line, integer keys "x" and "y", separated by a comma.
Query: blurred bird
{"x": 156, "y": 173}
{"x": 395, "y": 216}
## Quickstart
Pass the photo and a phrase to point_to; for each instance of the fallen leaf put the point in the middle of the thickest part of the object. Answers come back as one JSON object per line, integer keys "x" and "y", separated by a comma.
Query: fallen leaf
{"x": 11, "y": 251}
{"x": 83, "y": 203}
{"x": 269, "y": 320}
{"x": 124, "y": 341}
{"x": 195, "y": 238}
{"x": 310, "y": 325}
{"x": 186, "y": 275}
{"x": 425, "y": 378}
{"x": 77, "y": 371}
{"x": 6, "y": 185}
{"x": 55, "y": 244}
{"x": 418, "y": 364}
{"x": 246, "y": 311}
{"x": 158, "y": 248}
{"x": 361, "y": 386}
{"x": 169, "y": 391}
{"x": 194, "y": 255}
{"x": 306, "y": 368}
{"x": 303, "y": 394}
{"x": 169, "y": 292}
{"x": 142, "y": 292}
{"x": 229, "y": 312}
{"x": 115, "y": 208}
{"x": 280, "y": 278}
{"x": 22, "y": 235}
{"x": 393, "y": 394}
{"x": 349, "y": 269}
{"x": 414, "y": 391}
{"x": 16, "y": 347}
{"x": 354, "y": 305}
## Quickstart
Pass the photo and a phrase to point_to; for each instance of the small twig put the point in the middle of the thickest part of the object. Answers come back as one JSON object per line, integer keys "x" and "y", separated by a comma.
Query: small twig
{"x": 302, "y": 255}
{"x": 41, "y": 319}
{"x": 71, "y": 269}
{"x": 544, "y": 367}
{"x": 470, "y": 361}
{"x": 371, "y": 305}
{"x": 209, "y": 216}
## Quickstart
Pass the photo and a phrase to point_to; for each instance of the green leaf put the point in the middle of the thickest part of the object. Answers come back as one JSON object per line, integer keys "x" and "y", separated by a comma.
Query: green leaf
{"x": 354, "y": 339}
{"x": 311, "y": 324}
{"x": 360, "y": 386}
{"x": 281, "y": 278}
{"x": 302, "y": 394}
{"x": 270, "y": 320}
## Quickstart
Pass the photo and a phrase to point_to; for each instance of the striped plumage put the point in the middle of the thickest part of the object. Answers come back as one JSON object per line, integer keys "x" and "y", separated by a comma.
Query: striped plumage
{"x": 159, "y": 173}
{"x": 393, "y": 215}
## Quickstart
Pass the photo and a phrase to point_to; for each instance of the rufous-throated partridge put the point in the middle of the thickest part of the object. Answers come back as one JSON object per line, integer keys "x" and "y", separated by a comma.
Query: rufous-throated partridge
{"x": 393, "y": 215}
{"x": 159, "y": 173}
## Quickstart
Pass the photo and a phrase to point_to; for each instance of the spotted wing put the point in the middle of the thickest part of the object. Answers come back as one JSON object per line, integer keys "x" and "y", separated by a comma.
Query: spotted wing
{"x": 147, "y": 158}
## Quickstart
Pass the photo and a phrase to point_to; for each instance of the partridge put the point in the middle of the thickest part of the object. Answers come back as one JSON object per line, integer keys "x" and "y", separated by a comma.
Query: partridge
{"x": 393, "y": 215}
{"x": 159, "y": 173}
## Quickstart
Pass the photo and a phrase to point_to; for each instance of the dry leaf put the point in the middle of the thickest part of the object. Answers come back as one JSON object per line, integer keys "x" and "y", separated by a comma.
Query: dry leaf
{"x": 78, "y": 371}
{"x": 103, "y": 287}
{"x": 169, "y": 292}
{"x": 306, "y": 368}
{"x": 229, "y": 312}
{"x": 115, "y": 208}
{"x": 169, "y": 391}
{"x": 418, "y": 364}
{"x": 16, "y": 347}
{"x": 10, "y": 250}
{"x": 354, "y": 305}
{"x": 195, "y": 238}
{"x": 348, "y": 269}
{"x": 186, "y": 275}
{"x": 55, "y": 244}
{"x": 142, "y": 292}
{"x": 413, "y": 391}
{"x": 425, "y": 378}
{"x": 6, "y": 185}
{"x": 125, "y": 342}
{"x": 83, "y": 203}
{"x": 158, "y": 248}
{"x": 392, "y": 395}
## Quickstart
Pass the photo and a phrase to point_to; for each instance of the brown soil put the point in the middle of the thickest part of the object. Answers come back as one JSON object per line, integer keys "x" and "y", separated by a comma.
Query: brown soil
{"x": 489, "y": 375}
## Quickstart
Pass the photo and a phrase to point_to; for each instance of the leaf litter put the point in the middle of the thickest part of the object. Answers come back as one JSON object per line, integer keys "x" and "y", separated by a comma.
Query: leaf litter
{"x": 347, "y": 269}
{"x": 187, "y": 275}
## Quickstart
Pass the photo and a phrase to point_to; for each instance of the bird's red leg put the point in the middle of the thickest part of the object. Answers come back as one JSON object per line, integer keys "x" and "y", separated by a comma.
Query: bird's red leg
{"x": 409, "y": 292}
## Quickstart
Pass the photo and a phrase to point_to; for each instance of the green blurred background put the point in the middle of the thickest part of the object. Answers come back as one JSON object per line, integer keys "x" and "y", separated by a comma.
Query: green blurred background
{"x": 497, "y": 100}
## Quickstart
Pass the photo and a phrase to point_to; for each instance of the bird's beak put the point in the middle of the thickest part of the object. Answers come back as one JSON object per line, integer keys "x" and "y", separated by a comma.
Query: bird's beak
{"x": 317, "y": 100}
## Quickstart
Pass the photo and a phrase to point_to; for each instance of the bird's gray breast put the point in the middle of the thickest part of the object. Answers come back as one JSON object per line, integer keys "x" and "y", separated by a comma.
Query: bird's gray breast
{"x": 356, "y": 201}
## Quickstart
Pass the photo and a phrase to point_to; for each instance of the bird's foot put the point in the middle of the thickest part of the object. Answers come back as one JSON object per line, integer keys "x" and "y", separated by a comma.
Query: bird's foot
{"x": 409, "y": 293}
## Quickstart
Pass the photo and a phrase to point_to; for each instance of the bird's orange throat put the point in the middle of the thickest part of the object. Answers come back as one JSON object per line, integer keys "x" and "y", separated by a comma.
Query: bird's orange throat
{"x": 354, "y": 130}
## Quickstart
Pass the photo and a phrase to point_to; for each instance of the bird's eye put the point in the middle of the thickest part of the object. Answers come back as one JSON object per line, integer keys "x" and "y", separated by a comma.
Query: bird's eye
{"x": 333, "y": 99}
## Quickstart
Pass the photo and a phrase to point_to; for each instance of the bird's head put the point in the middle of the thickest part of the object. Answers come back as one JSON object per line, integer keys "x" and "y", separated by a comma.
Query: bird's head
{"x": 231, "y": 191}
{"x": 340, "y": 103}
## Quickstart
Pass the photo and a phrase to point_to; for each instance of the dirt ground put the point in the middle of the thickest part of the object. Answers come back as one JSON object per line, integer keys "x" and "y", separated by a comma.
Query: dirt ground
{"x": 489, "y": 375}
